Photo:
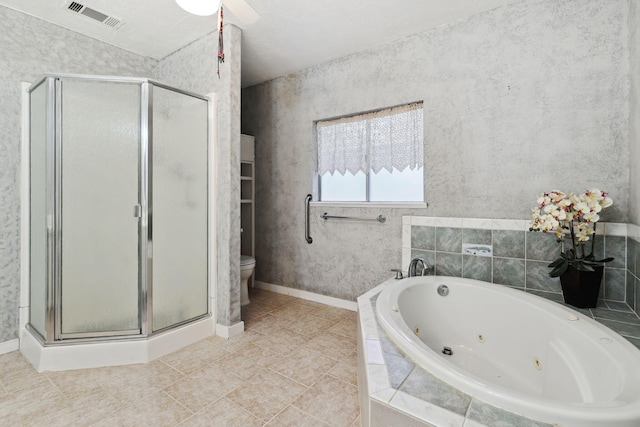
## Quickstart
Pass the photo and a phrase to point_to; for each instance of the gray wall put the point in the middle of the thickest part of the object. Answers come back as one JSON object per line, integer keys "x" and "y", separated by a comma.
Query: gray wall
{"x": 519, "y": 100}
{"x": 634, "y": 111}
{"x": 30, "y": 48}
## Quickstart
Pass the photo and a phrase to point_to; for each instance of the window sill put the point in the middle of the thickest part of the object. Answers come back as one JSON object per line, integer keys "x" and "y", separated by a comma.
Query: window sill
{"x": 396, "y": 205}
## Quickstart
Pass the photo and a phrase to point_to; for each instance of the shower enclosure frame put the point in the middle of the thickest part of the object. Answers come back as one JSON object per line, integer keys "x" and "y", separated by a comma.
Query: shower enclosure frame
{"x": 53, "y": 332}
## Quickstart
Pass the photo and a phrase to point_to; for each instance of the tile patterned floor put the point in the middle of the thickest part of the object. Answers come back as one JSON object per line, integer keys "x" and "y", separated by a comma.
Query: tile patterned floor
{"x": 295, "y": 365}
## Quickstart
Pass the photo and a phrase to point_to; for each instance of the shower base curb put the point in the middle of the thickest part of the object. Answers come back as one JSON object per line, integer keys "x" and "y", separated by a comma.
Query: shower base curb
{"x": 112, "y": 353}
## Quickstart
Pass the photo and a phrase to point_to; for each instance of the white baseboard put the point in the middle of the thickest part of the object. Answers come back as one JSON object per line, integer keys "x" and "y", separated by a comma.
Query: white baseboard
{"x": 9, "y": 346}
{"x": 229, "y": 331}
{"x": 309, "y": 296}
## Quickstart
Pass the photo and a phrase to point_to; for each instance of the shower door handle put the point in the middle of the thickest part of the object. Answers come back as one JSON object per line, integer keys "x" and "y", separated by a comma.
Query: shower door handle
{"x": 137, "y": 211}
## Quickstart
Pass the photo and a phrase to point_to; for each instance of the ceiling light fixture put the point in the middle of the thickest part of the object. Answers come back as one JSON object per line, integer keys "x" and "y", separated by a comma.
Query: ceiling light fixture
{"x": 200, "y": 7}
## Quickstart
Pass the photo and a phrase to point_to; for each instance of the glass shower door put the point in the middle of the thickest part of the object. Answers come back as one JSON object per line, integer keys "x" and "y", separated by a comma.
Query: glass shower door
{"x": 179, "y": 204}
{"x": 98, "y": 157}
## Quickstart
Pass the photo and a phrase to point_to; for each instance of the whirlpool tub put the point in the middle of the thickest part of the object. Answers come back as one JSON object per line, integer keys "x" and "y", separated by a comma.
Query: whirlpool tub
{"x": 514, "y": 350}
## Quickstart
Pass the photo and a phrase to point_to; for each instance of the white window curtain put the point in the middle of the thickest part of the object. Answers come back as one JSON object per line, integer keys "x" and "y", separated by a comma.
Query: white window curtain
{"x": 385, "y": 139}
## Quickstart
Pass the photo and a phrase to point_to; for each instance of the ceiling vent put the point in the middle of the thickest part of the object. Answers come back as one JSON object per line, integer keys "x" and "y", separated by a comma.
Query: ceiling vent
{"x": 105, "y": 19}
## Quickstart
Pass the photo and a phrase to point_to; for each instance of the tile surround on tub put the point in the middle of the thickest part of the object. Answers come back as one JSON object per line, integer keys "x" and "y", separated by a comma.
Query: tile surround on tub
{"x": 477, "y": 223}
{"x": 510, "y": 224}
{"x": 614, "y": 229}
{"x": 425, "y": 221}
{"x": 508, "y": 243}
{"x": 520, "y": 257}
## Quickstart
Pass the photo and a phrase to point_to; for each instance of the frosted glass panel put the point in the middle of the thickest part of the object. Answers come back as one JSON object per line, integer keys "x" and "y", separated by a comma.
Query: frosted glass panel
{"x": 100, "y": 157}
{"x": 179, "y": 207}
{"x": 38, "y": 218}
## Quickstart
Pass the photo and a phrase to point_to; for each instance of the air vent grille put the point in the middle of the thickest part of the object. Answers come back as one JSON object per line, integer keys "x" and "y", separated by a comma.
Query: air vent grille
{"x": 95, "y": 15}
{"x": 112, "y": 22}
{"x": 75, "y": 7}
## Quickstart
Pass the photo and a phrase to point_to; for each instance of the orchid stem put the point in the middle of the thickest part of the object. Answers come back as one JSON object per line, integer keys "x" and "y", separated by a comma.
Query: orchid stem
{"x": 593, "y": 239}
{"x": 573, "y": 240}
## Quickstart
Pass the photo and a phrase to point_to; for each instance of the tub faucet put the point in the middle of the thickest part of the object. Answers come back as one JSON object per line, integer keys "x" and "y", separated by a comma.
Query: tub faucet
{"x": 413, "y": 267}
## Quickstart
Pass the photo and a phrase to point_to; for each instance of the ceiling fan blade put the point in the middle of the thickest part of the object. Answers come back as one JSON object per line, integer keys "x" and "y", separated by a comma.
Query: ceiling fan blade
{"x": 242, "y": 10}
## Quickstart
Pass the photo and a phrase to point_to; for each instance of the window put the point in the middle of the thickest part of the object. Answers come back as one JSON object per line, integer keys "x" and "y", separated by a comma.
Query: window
{"x": 372, "y": 157}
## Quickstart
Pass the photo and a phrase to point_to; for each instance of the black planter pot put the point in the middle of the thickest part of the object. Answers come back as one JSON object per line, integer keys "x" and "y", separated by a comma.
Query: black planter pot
{"x": 581, "y": 288}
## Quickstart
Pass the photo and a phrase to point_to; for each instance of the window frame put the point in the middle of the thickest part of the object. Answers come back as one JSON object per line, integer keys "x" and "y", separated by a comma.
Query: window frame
{"x": 367, "y": 202}
{"x": 368, "y": 193}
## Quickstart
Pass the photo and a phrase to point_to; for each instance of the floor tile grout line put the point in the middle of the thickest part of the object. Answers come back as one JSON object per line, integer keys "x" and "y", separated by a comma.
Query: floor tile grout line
{"x": 305, "y": 389}
{"x": 340, "y": 379}
{"x": 325, "y": 355}
{"x": 174, "y": 368}
{"x": 291, "y": 405}
{"x": 121, "y": 404}
{"x": 53, "y": 383}
{"x": 316, "y": 382}
{"x": 266, "y": 423}
{"x": 289, "y": 378}
{"x": 296, "y": 381}
{"x": 177, "y": 401}
{"x": 232, "y": 402}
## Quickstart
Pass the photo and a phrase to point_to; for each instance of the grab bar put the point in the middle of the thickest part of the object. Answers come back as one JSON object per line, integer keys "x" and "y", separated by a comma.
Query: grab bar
{"x": 381, "y": 219}
{"x": 307, "y": 233}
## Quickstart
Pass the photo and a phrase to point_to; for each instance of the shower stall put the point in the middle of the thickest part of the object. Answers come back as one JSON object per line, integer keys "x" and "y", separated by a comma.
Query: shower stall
{"x": 119, "y": 214}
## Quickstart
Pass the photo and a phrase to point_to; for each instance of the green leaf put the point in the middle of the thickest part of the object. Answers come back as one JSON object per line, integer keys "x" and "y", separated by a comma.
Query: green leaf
{"x": 582, "y": 266}
{"x": 605, "y": 260}
{"x": 557, "y": 262}
{"x": 560, "y": 269}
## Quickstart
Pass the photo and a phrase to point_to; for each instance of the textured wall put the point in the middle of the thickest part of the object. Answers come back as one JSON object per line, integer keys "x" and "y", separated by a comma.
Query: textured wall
{"x": 194, "y": 68}
{"x": 30, "y": 48}
{"x": 518, "y": 100}
{"x": 634, "y": 110}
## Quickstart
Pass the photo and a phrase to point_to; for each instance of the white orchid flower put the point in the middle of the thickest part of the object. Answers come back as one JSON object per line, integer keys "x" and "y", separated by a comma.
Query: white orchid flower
{"x": 543, "y": 200}
{"x": 559, "y": 214}
{"x": 556, "y": 196}
{"x": 606, "y": 202}
{"x": 549, "y": 223}
{"x": 593, "y": 193}
{"x": 582, "y": 231}
{"x": 581, "y": 207}
{"x": 564, "y": 203}
{"x": 582, "y": 237}
{"x": 591, "y": 217}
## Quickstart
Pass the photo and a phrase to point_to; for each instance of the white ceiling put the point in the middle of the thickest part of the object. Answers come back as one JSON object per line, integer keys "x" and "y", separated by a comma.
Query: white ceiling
{"x": 290, "y": 35}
